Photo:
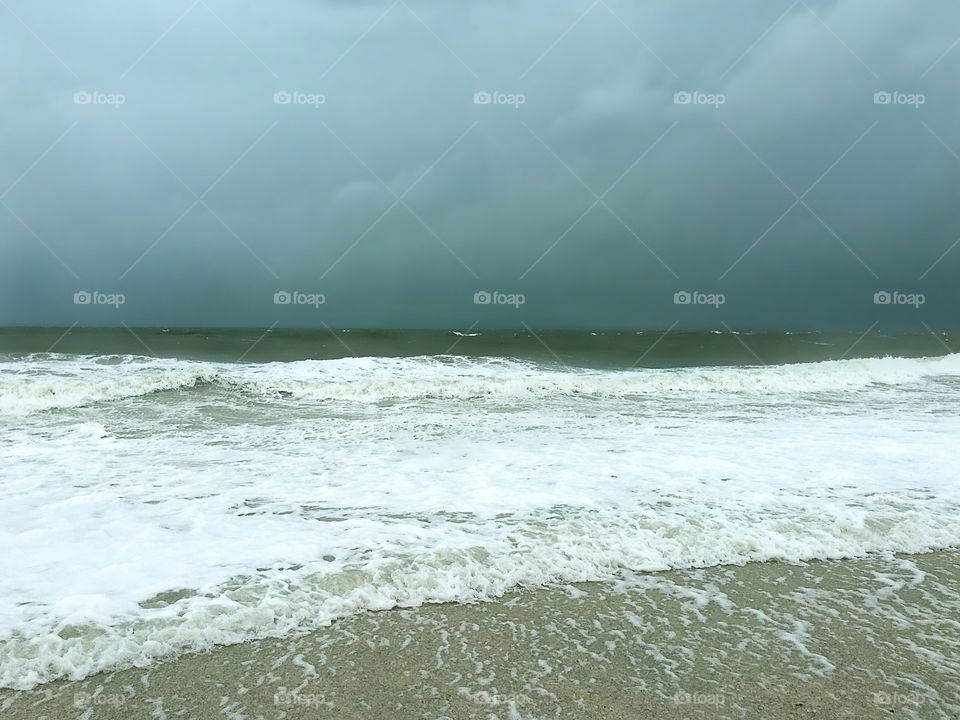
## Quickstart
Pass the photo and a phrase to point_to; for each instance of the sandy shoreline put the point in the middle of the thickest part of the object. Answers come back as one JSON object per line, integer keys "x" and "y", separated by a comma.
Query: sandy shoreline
{"x": 873, "y": 638}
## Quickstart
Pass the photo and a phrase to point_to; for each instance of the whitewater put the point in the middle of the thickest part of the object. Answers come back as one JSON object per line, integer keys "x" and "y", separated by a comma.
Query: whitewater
{"x": 152, "y": 507}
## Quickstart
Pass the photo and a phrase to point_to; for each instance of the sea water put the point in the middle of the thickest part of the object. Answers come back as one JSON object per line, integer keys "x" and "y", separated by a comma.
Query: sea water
{"x": 151, "y": 506}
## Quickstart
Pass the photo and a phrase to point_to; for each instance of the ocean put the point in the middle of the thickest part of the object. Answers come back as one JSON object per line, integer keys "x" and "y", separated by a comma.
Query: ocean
{"x": 166, "y": 492}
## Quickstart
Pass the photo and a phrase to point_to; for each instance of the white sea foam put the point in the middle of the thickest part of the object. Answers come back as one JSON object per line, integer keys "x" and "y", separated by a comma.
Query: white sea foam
{"x": 62, "y": 382}
{"x": 27, "y": 387}
{"x": 257, "y": 500}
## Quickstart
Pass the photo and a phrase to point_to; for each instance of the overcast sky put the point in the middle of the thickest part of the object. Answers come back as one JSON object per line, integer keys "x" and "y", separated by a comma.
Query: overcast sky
{"x": 586, "y": 160}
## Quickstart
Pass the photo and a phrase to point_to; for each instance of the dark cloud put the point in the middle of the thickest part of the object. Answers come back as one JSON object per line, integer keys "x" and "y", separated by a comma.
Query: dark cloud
{"x": 586, "y": 183}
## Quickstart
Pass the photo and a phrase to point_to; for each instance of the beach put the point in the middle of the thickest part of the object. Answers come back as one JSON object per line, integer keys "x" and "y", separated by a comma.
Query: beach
{"x": 856, "y": 638}
{"x": 421, "y": 360}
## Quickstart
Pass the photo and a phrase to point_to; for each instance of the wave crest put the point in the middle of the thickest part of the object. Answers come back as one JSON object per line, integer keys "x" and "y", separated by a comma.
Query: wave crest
{"x": 66, "y": 382}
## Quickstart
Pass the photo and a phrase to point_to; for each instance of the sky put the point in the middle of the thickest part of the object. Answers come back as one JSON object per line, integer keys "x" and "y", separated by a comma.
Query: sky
{"x": 581, "y": 164}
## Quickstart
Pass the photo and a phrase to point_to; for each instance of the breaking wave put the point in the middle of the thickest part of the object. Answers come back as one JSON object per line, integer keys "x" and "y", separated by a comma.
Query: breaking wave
{"x": 66, "y": 382}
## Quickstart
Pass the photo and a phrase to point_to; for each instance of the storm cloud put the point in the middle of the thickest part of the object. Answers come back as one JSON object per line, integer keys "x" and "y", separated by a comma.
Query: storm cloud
{"x": 572, "y": 164}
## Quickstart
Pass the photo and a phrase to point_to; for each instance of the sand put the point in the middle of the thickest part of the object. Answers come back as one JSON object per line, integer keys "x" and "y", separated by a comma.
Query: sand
{"x": 867, "y": 638}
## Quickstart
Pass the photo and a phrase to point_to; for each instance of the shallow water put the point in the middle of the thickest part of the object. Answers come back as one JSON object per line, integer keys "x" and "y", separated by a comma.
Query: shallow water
{"x": 857, "y": 639}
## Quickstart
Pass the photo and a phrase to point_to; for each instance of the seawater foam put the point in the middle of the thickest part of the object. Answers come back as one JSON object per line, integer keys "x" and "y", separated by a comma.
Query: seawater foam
{"x": 133, "y": 531}
{"x": 26, "y": 388}
{"x": 465, "y": 564}
{"x": 73, "y": 387}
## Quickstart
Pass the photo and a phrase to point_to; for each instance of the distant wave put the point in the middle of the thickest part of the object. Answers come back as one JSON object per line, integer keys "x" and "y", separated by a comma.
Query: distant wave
{"x": 33, "y": 394}
{"x": 66, "y": 382}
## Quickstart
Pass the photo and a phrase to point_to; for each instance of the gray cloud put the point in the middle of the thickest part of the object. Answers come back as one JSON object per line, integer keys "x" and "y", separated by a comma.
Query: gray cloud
{"x": 492, "y": 197}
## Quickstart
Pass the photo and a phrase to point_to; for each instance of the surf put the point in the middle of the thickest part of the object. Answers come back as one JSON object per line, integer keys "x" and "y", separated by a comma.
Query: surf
{"x": 61, "y": 382}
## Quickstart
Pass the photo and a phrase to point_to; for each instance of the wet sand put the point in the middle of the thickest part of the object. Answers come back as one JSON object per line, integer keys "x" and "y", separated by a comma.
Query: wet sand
{"x": 872, "y": 638}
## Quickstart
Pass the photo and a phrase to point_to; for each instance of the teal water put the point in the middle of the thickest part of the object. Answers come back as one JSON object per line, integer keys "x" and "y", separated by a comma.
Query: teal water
{"x": 602, "y": 350}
